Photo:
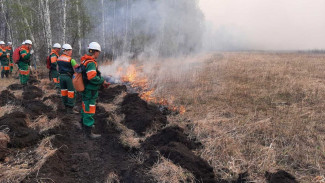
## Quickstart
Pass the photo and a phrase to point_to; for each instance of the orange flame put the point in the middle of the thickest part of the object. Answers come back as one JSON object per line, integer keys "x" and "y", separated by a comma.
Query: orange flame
{"x": 132, "y": 75}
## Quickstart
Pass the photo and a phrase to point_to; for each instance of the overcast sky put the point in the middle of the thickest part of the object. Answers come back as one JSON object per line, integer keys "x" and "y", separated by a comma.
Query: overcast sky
{"x": 268, "y": 24}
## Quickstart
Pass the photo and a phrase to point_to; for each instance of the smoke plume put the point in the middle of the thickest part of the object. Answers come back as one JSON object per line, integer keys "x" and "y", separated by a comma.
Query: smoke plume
{"x": 149, "y": 27}
{"x": 264, "y": 25}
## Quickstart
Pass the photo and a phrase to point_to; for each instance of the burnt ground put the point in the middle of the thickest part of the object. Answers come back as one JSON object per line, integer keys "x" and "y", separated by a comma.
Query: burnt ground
{"x": 79, "y": 159}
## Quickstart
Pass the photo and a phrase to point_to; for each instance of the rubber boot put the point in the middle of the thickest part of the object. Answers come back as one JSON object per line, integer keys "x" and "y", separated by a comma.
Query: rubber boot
{"x": 90, "y": 134}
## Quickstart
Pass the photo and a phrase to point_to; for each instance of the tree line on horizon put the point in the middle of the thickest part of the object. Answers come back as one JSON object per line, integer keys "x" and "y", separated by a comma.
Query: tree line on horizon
{"x": 122, "y": 27}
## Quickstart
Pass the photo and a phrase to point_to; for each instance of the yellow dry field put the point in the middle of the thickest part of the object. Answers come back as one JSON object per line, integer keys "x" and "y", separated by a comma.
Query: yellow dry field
{"x": 256, "y": 112}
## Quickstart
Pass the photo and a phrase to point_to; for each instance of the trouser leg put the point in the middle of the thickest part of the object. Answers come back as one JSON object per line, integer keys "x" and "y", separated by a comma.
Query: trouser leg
{"x": 89, "y": 107}
{"x": 71, "y": 93}
{"x": 64, "y": 91}
{"x": 2, "y": 72}
{"x": 23, "y": 73}
{"x": 25, "y": 78}
{"x": 55, "y": 78}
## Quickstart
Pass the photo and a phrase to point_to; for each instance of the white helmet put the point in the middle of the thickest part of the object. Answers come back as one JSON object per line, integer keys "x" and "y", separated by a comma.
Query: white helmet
{"x": 23, "y": 42}
{"x": 9, "y": 43}
{"x": 28, "y": 42}
{"x": 56, "y": 45}
{"x": 66, "y": 47}
{"x": 94, "y": 46}
{"x": 2, "y": 43}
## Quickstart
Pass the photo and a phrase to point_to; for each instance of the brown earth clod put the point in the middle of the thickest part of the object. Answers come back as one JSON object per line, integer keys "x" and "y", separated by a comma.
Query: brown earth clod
{"x": 6, "y": 97}
{"x": 20, "y": 134}
{"x": 32, "y": 92}
{"x": 108, "y": 95}
{"x": 139, "y": 115}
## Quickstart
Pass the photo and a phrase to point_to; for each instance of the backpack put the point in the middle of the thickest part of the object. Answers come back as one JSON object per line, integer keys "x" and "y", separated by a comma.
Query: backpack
{"x": 79, "y": 78}
{"x": 16, "y": 55}
{"x": 48, "y": 62}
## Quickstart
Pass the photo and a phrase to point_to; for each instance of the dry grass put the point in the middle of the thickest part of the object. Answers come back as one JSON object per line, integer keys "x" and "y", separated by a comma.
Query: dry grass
{"x": 44, "y": 86}
{"x": 128, "y": 137}
{"x": 166, "y": 171}
{"x": 51, "y": 104}
{"x": 9, "y": 109}
{"x": 42, "y": 123}
{"x": 112, "y": 178}
{"x": 255, "y": 111}
{"x": 26, "y": 161}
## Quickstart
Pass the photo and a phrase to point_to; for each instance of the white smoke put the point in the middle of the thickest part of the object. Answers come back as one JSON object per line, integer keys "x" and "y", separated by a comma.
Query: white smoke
{"x": 150, "y": 27}
{"x": 265, "y": 24}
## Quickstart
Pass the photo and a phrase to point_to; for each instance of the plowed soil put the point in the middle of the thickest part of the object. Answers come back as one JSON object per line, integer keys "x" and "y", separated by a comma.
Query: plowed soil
{"x": 35, "y": 108}
{"x": 280, "y": 176}
{"x": 79, "y": 159}
{"x": 32, "y": 92}
{"x": 182, "y": 156}
{"x": 15, "y": 87}
{"x": 168, "y": 135}
{"x": 6, "y": 97}
{"x": 140, "y": 116}
{"x": 19, "y": 133}
{"x": 108, "y": 95}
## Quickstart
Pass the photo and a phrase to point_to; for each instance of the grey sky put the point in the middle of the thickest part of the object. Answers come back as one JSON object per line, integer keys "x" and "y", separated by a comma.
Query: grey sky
{"x": 268, "y": 24}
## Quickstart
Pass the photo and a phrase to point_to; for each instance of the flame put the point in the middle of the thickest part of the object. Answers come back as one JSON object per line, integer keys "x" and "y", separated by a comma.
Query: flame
{"x": 182, "y": 109}
{"x": 132, "y": 75}
{"x": 147, "y": 96}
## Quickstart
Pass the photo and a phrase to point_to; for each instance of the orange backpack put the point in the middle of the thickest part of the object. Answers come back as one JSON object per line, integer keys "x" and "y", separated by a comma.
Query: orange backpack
{"x": 80, "y": 76}
{"x": 78, "y": 82}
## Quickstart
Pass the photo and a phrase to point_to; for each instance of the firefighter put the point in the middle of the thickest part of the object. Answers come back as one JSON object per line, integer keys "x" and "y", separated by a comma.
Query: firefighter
{"x": 65, "y": 67}
{"x": 92, "y": 84}
{"x": 4, "y": 60}
{"x": 24, "y": 61}
{"x": 10, "y": 52}
{"x": 54, "y": 55}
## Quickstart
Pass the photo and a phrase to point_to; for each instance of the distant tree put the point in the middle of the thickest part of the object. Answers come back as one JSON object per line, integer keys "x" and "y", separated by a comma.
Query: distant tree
{"x": 122, "y": 27}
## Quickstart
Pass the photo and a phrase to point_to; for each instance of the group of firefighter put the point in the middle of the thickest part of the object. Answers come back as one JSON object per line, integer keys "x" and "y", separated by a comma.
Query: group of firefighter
{"x": 23, "y": 63}
{"x": 62, "y": 69}
{"x": 6, "y": 59}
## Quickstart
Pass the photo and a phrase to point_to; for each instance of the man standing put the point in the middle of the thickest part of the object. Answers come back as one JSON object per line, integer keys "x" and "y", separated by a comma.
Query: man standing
{"x": 66, "y": 66}
{"x": 24, "y": 61}
{"x": 92, "y": 84}
{"x": 10, "y": 52}
{"x": 54, "y": 55}
{"x": 4, "y": 60}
